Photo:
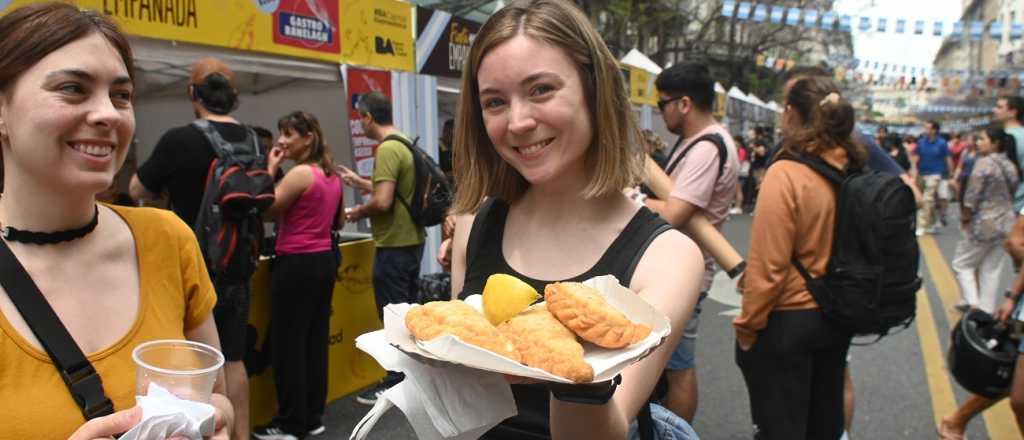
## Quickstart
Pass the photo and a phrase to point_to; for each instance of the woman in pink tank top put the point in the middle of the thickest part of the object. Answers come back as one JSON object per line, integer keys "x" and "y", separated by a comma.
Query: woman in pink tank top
{"x": 308, "y": 200}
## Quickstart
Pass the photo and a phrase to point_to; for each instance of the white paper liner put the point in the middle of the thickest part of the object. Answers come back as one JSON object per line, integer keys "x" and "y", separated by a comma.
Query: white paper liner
{"x": 606, "y": 362}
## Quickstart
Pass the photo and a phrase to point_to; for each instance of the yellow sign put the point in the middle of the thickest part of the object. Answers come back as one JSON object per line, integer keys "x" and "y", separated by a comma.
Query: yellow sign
{"x": 641, "y": 87}
{"x": 721, "y": 101}
{"x": 353, "y": 312}
{"x": 306, "y": 29}
{"x": 378, "y": 33}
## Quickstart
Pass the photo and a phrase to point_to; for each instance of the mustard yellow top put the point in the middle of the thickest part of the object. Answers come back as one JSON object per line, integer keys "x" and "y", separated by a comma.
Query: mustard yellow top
{"x": 175, "y": 295}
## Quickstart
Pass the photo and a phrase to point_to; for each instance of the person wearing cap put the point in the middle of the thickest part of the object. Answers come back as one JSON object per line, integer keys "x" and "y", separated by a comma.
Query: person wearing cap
{"x": 178, "y": 167}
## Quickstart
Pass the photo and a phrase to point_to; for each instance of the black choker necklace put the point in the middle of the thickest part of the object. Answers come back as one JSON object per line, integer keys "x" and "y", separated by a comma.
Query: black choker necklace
{"x": 32, "y": 237}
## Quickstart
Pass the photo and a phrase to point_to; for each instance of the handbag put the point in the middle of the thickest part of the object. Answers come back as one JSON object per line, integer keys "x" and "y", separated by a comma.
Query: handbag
{"x": 79, "y": 376}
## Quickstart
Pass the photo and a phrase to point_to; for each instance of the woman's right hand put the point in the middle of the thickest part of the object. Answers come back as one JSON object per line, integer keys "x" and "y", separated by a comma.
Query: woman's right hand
{"x": 1005, "y": 310}
{"x": 274, "y": 159}
{"x": 108, "y": 426}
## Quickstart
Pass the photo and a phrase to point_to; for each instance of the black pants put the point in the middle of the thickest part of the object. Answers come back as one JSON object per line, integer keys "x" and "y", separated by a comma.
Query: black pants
{"x": 302, "y": 286}
{"x": 794, "y": 375}
{"x": 396, "y": 271}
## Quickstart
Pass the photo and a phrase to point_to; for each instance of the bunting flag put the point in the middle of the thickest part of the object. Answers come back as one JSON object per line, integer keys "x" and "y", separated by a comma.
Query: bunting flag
{"x": 810, "y": 18}
{"x": 865, "y": 24}
{"x": 729, "y": 8}
{"x": 793, "y": 16}
{"x": 743, "y": 11}
{"x": 760, "y": 13}
{"x": 995, "y": 30}
{"x": 828, "y": 20}
{"x": 845, "y": 23}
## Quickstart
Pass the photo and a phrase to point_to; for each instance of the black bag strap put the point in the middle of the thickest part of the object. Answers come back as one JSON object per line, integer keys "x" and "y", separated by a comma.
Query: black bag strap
{"x": 81, "y": 378}
{"x": 714, "y": 138}
{"x": 221, "y": 147}
{"x": 412, "y": 149}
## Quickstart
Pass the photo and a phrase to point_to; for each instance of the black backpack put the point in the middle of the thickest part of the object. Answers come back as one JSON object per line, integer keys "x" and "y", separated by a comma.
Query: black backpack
{"x": 871, "y": 281}
{"x": 433, "y": 194}
{"x": 238, "y": 190}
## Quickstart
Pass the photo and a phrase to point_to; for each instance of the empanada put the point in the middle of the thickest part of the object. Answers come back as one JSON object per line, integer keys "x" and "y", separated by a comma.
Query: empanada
{"x": 543, "y": 342}
{"x": 584, "y": 311}
{"x": 457, "y": 318}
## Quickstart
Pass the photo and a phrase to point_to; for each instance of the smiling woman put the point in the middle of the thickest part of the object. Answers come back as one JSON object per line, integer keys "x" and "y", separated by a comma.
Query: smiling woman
{"x": 544, "y": 143}
{"x": 66, "y": 120}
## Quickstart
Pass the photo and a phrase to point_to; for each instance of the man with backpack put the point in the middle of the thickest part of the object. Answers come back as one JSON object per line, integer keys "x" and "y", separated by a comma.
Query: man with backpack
{"x": 704, "y": 168}
{"x": 179, "y": 165}
{"x": 397, "y": 236}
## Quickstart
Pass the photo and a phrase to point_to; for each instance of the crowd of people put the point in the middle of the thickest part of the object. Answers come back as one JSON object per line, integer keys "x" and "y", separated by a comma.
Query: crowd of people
{"x": 542, "y": 154}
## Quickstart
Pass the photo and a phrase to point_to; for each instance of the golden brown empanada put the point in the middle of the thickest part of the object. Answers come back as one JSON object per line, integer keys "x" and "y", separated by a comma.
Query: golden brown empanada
{"x": 584, "y": 311}
{"x": 457, "y": 318}
{"x": 543, "y": 342}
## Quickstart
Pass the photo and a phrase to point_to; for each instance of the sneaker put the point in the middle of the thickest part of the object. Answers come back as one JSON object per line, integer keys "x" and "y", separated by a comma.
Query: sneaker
{"x": 272, "y": 432}
{"x": 370, "y": 395}
{"x": 320, "y": 429}
{"x": 735, "y": 211}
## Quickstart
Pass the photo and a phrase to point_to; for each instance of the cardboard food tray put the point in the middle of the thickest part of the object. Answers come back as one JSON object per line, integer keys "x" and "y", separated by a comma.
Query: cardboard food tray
{"x": 606, "y": 362}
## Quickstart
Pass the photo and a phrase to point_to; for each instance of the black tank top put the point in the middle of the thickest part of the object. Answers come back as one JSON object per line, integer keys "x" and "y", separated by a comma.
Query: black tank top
{"x": 484, "y": 258}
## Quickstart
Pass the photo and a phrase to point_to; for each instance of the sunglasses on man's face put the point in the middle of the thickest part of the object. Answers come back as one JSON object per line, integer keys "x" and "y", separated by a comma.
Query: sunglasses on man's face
{"x": 664, "y": 102}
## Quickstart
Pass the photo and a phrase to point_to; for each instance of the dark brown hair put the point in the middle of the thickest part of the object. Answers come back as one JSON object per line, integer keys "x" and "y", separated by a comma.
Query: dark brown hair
{"x": 30, "y": 33}
{"x": 825, "y": 121}
{"x": 305, "y": 123}
{"x": 611, "y": 159}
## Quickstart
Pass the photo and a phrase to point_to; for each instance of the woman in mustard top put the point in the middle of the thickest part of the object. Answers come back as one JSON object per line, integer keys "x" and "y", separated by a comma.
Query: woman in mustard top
{"x": 116, "y": 277}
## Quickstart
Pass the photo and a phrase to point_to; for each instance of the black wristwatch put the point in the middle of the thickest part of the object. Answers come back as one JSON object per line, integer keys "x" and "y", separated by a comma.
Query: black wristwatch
{"x": 736, "y": 271}
{"x": 1009, "y": 294}
{"x": 588, "y": 394}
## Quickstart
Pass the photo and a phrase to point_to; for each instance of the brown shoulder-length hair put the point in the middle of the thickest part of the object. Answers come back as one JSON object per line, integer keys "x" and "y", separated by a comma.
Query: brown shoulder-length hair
{"x": 611, "y": 160}
{"x": 305, "y": 123}
{"x": 826, "y": 121}
{"x": 30, "y": 33}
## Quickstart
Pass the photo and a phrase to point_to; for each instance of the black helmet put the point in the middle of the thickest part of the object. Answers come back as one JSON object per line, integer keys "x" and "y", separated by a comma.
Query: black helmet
{"x": 982, "y": 355}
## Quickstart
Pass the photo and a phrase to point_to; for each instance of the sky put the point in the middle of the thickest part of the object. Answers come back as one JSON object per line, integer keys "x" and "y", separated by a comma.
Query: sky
{"x": 889, "y": 47}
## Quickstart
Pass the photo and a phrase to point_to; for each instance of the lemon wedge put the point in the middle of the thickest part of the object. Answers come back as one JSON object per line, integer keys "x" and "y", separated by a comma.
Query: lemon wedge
{"x": 505, "y": 296}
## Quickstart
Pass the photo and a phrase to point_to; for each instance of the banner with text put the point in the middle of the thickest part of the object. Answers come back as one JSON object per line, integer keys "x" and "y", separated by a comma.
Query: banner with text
{"x": 442, "y": 42}
{"x": 361, "y": 81}
{"x": 299, "y": 28}
{"x": 378, "y": 33}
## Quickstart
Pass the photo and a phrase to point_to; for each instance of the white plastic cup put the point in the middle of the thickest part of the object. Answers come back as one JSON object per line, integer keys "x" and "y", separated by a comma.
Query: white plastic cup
{"x": 187, "y": 369}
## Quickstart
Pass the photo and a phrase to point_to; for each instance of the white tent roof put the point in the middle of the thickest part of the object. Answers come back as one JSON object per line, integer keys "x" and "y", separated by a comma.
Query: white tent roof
{"x": 735, "y": 92}
{"x": 719, "y": 88}
{"x": 757, "y": 101}
{"x": 636, "y": 59}
{"x": 774, "y": 106}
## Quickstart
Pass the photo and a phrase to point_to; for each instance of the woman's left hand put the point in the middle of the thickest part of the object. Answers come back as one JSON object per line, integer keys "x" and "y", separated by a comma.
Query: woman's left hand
{"x": 224, "y": 417}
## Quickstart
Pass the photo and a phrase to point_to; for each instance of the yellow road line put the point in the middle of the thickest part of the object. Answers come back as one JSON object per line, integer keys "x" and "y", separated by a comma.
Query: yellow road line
{"x": 943, "y": 401}
{"x": 999, "y": 420}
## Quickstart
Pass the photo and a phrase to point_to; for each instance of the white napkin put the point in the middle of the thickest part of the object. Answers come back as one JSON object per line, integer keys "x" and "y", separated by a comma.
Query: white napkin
{"x": 165, "y": 415}
{"x": 441, "y": 400}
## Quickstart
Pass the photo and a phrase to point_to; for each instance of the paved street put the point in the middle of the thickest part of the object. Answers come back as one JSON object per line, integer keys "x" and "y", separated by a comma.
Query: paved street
{"x": 901, "y": 383}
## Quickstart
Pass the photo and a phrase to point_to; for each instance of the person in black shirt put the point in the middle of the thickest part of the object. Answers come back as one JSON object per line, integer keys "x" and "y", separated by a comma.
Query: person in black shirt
{"x": 178, "y": 167}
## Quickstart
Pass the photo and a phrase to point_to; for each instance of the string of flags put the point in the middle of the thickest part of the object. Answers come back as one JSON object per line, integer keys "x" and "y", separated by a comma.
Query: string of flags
{"x": 830, "y": 21}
